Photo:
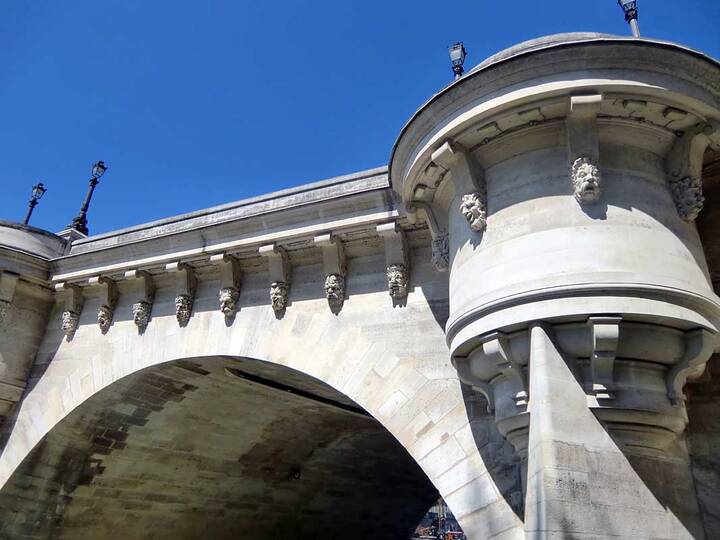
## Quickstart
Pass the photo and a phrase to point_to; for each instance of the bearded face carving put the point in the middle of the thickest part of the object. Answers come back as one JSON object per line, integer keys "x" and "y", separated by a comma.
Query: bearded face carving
{"x": 688, "y": 196}
{"x": 104, "y": 318}
{"x": 228, "y": 300}
{"x": 279, "y": 295}
{"x": 473, "y": 208}
{"x": 183, "y": 308}
{"x": 586, "y": 180}
{"x": 335, "y": 290}
{"x": 70, "y": 321}
{"x": 141, "y": 314}
{"x": 397, "y": 281}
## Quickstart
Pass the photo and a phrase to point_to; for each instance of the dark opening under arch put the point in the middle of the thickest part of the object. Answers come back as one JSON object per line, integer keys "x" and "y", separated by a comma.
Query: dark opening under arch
{"x": 216, "y": 447}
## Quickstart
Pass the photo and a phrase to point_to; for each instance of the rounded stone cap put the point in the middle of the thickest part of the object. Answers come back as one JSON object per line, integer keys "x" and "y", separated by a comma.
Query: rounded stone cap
{"x": 30, "y": 240}
{"x": 542, "y": 43}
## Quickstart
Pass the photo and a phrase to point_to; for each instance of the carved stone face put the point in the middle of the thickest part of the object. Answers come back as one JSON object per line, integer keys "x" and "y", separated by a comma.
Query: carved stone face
{"x": 440, "y": 253}
{"x": 473, "y": 208}
{"x": 586, "y": 180}
{"x": 183, "y": 308}
{"x": 688, "y": 196}
{"x": 279, "y": 295}
{"x": 104, "y": 318}
{"x": 228, "y": 300}
{"x": 397, "y": 280}
{"x": 335, "y": 290}
{"x": 4, "y": 310}
{"x": 70, "y": 321}
{"x": 141, "y": 313}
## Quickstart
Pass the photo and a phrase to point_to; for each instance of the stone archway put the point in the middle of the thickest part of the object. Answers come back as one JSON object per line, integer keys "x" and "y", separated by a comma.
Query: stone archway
{"x": 216, "y": 447}
{"x": 364, "y": 356}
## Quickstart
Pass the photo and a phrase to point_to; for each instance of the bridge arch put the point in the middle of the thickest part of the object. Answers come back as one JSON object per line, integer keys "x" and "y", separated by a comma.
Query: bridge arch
{"x": 365, "y": 355}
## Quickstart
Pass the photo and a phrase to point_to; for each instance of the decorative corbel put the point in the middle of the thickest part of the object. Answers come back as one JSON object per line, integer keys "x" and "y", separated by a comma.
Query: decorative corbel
{"x": 439, "y": 234}
{"x": 684, "y": 168}
{"x": 108, "y": 301}
{"x": 584, "y": 147}
{"x": 397, "y": 266}
{"x": 142, "y": 309}
{"x": 334, "y": 268}
{"x": 605, "y": 334}
{"x": 469, "y": 178}
{"x": 699, "y": 346}
{"x": 73, "y": 308}
{"x": 186, "y": 289}
{"x": 230, "y": 281}
{"x": 466, "y": 376}
{"x": 496, "y": 348}
{"x": 279, "y": 267}
{"x": 8, "y": 284}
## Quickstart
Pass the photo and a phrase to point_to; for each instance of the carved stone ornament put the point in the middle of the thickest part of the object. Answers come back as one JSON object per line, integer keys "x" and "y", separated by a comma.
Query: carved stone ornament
{"x": 279, "y": 295}
{"x": 228, "y": 300}
{"x": 473, "y": 208}
{"x": 688, "y": 196}
{"x": 141, "y": 314}
{"x": 70, "y": 321}
{"x": 183, "y": 308}
{"x": 335, "y": 290}
{"x": 441, "y": 252}
{"x": 397, "y": 281}
{"x": 586, "y": 180}
{"x": 104, "y": 318}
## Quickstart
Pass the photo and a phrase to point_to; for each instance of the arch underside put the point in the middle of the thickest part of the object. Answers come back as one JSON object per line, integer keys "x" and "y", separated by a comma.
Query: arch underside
{"x": 216, "y": 447}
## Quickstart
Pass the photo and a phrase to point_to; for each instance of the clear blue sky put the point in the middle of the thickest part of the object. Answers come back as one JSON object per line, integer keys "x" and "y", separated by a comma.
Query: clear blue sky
{"x": 198, "y": 103}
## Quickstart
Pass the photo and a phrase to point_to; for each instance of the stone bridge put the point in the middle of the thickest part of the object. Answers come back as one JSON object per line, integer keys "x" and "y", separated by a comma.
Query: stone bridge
{"x": 506, "y": 317}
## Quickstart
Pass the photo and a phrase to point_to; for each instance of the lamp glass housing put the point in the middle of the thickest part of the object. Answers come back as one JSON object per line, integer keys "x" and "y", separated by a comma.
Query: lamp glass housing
{"x": 457, "y": 54}
{"x": 38, "y": 191}
{"x": 99, "y": 169}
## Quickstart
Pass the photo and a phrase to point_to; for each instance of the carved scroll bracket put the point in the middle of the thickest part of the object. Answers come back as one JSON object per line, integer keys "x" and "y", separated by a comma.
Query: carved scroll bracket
{"x": 230, "y": 282}
{"x": 186, "y": 288}
{"x": 496, "y": 348}
{"x": 684, "y": 165}
{"x": 437, "y": 223}
{"x": 466, "y": 376}
{"x": 469, "y": 179}
{"x": 74, "y": 301}
{"x": 584, "y": 147}
{"x": 699, "y": 345}
{"x": 108, "y": 301}
{"x": 142, "y": 309}
{"x": 8, "y": 284}
{"x": 605, "y": 334}
{"x": 279, "y": 268}
{"x": 334, "y": 268}
{"x": 397, "y": 263}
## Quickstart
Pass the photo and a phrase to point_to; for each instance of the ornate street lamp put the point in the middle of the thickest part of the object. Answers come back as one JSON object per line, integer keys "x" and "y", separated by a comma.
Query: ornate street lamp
{"x": 457, "y": 57}
{"x": 629, "y": 7}
{"x": 80, "y": 221}
{"x": 38, "y": 191}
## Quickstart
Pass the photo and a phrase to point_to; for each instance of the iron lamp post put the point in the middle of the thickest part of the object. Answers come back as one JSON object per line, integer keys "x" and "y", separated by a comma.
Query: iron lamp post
{"x": 629, "y": 7}
{"x": 80, "y": 221}
{"x": 457, "y": 57}
{"x": 38, "y": 191}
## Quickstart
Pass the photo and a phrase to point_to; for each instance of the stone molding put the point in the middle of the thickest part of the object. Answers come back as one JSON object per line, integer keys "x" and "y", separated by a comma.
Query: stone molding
{"x": 280, "y": 272}
{"x": 684, "y": 168}
{"x": 334, "y": 268}
{"x": 74, "y": 301}
{"x": 142, "y": 309}
{"x": 397, "y": 266}
{"x": 108, "y": 301}
{"x": 230, "y": 282}
{"x": 186, "y": 286}
{"x": 584, "y": 146}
